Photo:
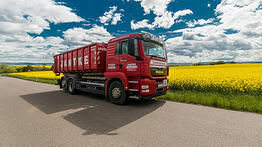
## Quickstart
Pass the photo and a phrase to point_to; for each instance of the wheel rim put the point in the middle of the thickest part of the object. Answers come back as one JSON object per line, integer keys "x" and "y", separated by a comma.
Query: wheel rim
{"x": 70, "y": 86}
{"x": 63, "y": 83}
{"x": 116, "y": 92}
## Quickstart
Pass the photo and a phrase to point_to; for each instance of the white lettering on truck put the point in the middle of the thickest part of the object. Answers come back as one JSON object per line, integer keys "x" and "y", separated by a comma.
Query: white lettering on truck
{"x": 111, "y": 66}
{"x": 94, "y": 57}
{"x": 93, "y": 49}
{"x": 61, "y": 63}
{"x": 74, "y": 60}
{"x": 69, "y": 63}
{"x": 79, "y": 61}
{"x": 131, "y": 67}
{"x": 158, "y": 64}
{"x": 86, "y": 59}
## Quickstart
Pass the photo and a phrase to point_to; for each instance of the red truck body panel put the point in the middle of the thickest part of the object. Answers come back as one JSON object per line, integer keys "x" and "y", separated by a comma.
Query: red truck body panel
{"x": 80, "y": 58}
{"x": 65, "y": 62}
{"x": 74, "y": 58}
{"x": 86, "y": 59}
{"x": 69, "y": 62}
{"x": 90, "y": 58}
{"x": 56, "y": 63}
{"x": 98, "y": 58}
{"x": 61, "y": 63}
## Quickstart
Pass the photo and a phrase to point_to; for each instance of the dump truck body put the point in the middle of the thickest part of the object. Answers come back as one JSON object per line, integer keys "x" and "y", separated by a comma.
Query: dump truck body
{"x": 90, "y": 58}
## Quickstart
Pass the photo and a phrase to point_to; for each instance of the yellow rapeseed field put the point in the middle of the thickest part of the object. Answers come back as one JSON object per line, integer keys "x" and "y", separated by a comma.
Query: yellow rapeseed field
{"x": 39, "y": 74}
{"x": 245, "y": 78}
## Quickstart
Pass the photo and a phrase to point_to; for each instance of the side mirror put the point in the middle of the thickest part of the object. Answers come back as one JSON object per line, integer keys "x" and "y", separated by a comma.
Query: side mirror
{"x": 139, "y": 58}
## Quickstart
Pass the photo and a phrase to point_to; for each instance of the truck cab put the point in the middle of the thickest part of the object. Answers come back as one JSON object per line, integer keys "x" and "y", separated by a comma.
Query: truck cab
{"x": 140, "y": 61}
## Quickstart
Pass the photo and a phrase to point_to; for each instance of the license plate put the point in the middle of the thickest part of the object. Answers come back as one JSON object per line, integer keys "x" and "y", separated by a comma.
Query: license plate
{"x": 160, "y": 85}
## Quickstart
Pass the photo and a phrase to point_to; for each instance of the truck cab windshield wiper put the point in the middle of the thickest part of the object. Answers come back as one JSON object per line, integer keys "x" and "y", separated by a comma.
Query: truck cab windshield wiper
{"x": 156, "y": 56}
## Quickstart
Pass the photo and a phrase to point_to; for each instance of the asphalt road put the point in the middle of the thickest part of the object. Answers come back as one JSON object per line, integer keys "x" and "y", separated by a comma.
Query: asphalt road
{"x": 34, "y": 115}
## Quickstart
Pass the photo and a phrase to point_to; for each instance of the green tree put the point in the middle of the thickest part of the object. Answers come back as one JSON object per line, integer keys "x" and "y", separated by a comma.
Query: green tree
{"x": 28, "y": 68}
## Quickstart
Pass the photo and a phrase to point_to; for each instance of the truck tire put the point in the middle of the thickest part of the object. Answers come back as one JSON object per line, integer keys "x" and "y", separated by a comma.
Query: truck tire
{"x": 71, "y": 86}
{"x": 116, "y": 93}
{"x": 63, "y": 84}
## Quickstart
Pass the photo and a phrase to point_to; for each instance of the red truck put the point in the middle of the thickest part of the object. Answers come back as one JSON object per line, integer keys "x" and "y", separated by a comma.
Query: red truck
{"x": 128, "y": 66}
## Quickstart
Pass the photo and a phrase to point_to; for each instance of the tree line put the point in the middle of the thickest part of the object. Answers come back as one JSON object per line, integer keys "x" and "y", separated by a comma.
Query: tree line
{"x": 4, "y": 68}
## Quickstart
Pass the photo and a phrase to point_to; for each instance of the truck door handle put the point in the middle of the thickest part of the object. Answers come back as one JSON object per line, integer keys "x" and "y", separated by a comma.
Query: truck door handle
{"x": 122, "y": 60}
{"x": 120, "y": 66}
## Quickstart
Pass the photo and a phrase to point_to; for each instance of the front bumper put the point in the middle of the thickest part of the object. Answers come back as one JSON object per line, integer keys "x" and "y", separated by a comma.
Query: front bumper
{"x": 146, "y": 97}
{"x": 151, "y": 96}
{"x": 149, "y": 88}
{"x": 152, "y": 86}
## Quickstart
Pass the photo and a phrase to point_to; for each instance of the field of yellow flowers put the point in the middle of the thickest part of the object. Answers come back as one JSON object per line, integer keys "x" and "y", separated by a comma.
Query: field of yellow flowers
{"x": 39, "y": 74}
{"x": 244, "y": 78}
{"x": 239, "y": 78}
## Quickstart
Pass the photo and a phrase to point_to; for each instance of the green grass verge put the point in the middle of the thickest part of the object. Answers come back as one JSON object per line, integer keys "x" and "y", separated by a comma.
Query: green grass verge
{"x": 48, "y": 81}
{"x": 239, "y": 102}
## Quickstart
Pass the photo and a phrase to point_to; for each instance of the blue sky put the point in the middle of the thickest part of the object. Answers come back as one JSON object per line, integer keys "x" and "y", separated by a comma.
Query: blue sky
{"x": 194, "y": 31}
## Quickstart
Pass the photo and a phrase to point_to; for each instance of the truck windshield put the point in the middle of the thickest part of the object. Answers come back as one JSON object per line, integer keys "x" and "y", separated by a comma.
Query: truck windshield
{"x": 154, "y": 49}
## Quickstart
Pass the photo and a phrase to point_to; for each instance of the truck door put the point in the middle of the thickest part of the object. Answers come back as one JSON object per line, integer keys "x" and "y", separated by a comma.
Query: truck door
{"x": 128, "y": 53}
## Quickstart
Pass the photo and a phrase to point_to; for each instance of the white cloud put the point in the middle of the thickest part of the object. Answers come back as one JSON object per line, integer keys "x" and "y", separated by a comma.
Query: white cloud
{"x": 86, "y": 24}
{"x": 108, "y": 15}
{"x": 116, "y": 18}
{"x": 236, "y": 36}
{"x": 181, "y": 13}
{"x": 163, "y": 19}
{"x": 141, "y": 24}
{"x": 163, "y": 37}
{"x": 80, "y": 36}
{"x": 37, "y": 11}
{"x": 39, "y": 49}
{"x": 32, "y": 16}
{"x": 31, "y": 49}
{"x": 111, "y": 16}
{"x": 158, "y": 7}
{"x": 19, "y": 18}
{"x": 166, "y": 20}
{"x": 199, "y": 22}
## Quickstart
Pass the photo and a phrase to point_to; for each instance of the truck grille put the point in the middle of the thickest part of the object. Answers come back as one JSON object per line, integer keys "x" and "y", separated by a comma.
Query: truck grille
{"x": 158, "y": 90}
{"x": 159, "y": 80}
{"x": 155, "y": 71}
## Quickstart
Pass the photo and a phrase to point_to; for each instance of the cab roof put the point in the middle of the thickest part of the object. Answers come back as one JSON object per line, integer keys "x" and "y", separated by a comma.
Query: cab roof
{"x": 124, "y": 36}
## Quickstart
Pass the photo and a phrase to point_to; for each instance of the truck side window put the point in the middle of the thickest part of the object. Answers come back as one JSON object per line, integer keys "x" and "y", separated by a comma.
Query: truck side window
{"x": 132, "y": 47}
{"x": 121, "y": 48}
{"x": 118, "y": 48}
{"x": 127, "y": 47}
{"x": 136, "y": 47}
{"x": 124, "y": 47}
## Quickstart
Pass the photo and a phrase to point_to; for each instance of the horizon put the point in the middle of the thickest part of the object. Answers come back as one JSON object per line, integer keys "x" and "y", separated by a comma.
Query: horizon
{"x": 173, "y": 63}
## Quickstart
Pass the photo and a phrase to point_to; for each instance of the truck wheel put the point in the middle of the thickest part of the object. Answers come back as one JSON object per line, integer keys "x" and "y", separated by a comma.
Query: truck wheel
{"x": 116, "y": 93}
{"x": 64, "y": 84}
{"x": 71, "y": 86}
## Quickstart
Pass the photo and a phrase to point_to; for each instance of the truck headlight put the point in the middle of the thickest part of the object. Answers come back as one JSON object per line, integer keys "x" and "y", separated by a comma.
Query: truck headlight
{"x": 145, "y": 86}
{"x": 165, "y": 82}
{"x": 145, "y": 91}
